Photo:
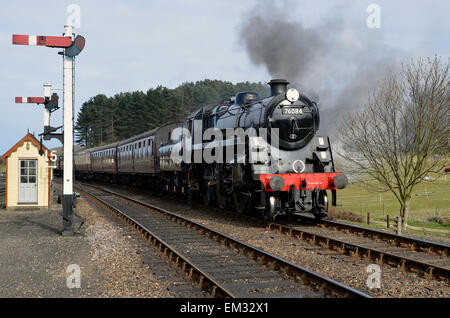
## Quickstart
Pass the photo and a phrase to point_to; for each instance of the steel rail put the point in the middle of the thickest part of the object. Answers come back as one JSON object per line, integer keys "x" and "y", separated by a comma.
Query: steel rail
{"x": 325, "y": 284}
{"x": 171, "y": 253}
{"x": 430, "y": 271}
{"x": 398, "y": 240}
{"x": 416, "y": 244}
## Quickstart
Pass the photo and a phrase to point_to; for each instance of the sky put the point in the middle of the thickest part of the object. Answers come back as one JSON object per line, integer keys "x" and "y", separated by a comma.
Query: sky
{"x": 137, "y": 45}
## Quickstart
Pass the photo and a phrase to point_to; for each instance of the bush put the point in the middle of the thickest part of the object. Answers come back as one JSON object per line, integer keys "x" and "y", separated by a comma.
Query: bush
{"x": 440, "y": 220}
{"x": 345, "y": 215}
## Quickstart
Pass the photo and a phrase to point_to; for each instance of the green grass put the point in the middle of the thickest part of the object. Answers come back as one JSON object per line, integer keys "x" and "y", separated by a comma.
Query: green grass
{"x": 430, "y": 200}
{"x": 431, "y": 225}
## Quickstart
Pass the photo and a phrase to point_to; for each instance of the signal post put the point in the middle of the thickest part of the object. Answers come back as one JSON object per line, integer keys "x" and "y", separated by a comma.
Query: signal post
{"x": 67, "y": 198}
{"x": 72, "y": 47}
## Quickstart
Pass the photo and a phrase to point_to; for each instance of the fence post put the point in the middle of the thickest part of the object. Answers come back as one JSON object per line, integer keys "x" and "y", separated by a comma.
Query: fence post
{"x": 368, "y": 217}
{"x": 387, "y": 221}
{"x": 398, "y": 224}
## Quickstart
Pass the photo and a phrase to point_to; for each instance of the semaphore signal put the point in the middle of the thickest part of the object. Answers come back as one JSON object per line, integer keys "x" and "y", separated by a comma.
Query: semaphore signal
{"x": 49, "y": 41}
{"x": 30, "y": 100}
{"x": 72, "y": 47}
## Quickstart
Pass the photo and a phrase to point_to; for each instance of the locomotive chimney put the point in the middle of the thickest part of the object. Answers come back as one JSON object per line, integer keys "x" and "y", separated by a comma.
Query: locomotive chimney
{"x": 278, "y": 86}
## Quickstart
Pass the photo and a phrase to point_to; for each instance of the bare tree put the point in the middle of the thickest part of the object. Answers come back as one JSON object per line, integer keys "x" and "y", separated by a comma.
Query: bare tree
{"x": 402, "y": 134}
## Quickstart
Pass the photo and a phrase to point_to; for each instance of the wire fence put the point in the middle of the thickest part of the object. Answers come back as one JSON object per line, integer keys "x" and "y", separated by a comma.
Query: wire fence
{"x": 429, "y": 202}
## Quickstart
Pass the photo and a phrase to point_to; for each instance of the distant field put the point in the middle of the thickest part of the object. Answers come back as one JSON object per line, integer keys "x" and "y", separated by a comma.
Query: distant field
{"x": 430, "y": 200}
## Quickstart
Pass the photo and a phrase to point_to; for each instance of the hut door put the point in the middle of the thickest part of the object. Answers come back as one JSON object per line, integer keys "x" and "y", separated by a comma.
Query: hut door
{"x": 28, "y": 181}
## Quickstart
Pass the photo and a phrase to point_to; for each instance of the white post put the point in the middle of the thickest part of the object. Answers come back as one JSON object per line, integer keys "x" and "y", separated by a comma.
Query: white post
{"x": 68, "y": 142}
{"x": 47, "y": 88}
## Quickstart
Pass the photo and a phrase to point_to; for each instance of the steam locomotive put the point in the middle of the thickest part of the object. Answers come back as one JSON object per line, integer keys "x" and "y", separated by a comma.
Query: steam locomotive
{"x": 253, "y": 154}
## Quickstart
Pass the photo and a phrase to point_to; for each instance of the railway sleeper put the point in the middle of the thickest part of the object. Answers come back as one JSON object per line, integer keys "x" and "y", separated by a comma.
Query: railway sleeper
{"x": 238, "y": 287}
{"x": 248, "y": 277}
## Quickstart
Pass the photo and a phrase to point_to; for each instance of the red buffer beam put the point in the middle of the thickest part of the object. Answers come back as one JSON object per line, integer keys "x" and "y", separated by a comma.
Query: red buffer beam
{"x": 30, "y": 100}
{"x": 49, "y": 41}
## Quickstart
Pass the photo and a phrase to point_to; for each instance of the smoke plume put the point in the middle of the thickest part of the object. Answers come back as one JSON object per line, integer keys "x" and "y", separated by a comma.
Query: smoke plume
{"x": 334, "y": 63}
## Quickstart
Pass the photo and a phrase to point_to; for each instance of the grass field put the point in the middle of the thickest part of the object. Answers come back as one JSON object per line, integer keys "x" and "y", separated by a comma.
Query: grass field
{"x": 430, "y": 206}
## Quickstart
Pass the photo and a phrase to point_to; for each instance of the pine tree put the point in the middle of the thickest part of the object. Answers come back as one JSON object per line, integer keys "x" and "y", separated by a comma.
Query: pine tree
{"x": 104, "y": 119}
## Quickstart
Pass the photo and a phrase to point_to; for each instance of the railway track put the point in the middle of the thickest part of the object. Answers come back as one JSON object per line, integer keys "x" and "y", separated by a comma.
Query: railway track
{"x": 394, "y": 239}
{"x": 218, "y": 263}
{"x": 430, "y": 259}
{"x": 393, "y": 252}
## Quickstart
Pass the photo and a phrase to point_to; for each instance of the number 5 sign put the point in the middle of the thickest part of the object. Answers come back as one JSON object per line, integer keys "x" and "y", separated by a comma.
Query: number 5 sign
{"x": 52, "y": 159}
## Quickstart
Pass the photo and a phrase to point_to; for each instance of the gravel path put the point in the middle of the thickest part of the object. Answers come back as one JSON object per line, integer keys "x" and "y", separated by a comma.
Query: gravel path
{"x": 113, "y": 259}
{"x": 131, "y": 266}
{"x": 348, "y": 270}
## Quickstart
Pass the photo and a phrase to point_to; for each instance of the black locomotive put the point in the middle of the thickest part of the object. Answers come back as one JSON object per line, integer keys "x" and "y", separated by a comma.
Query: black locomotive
{"x": 251, "y": 153}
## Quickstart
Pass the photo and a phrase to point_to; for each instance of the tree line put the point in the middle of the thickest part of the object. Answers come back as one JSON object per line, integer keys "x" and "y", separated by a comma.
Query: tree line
{"x": 105, "y": 119}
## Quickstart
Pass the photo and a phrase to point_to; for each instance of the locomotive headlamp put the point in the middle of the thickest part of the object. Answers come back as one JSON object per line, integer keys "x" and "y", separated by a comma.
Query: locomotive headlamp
{"x": 276, "y": 183}
{"x": 340, "y": 181}
{"x": 292, "y": 95}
